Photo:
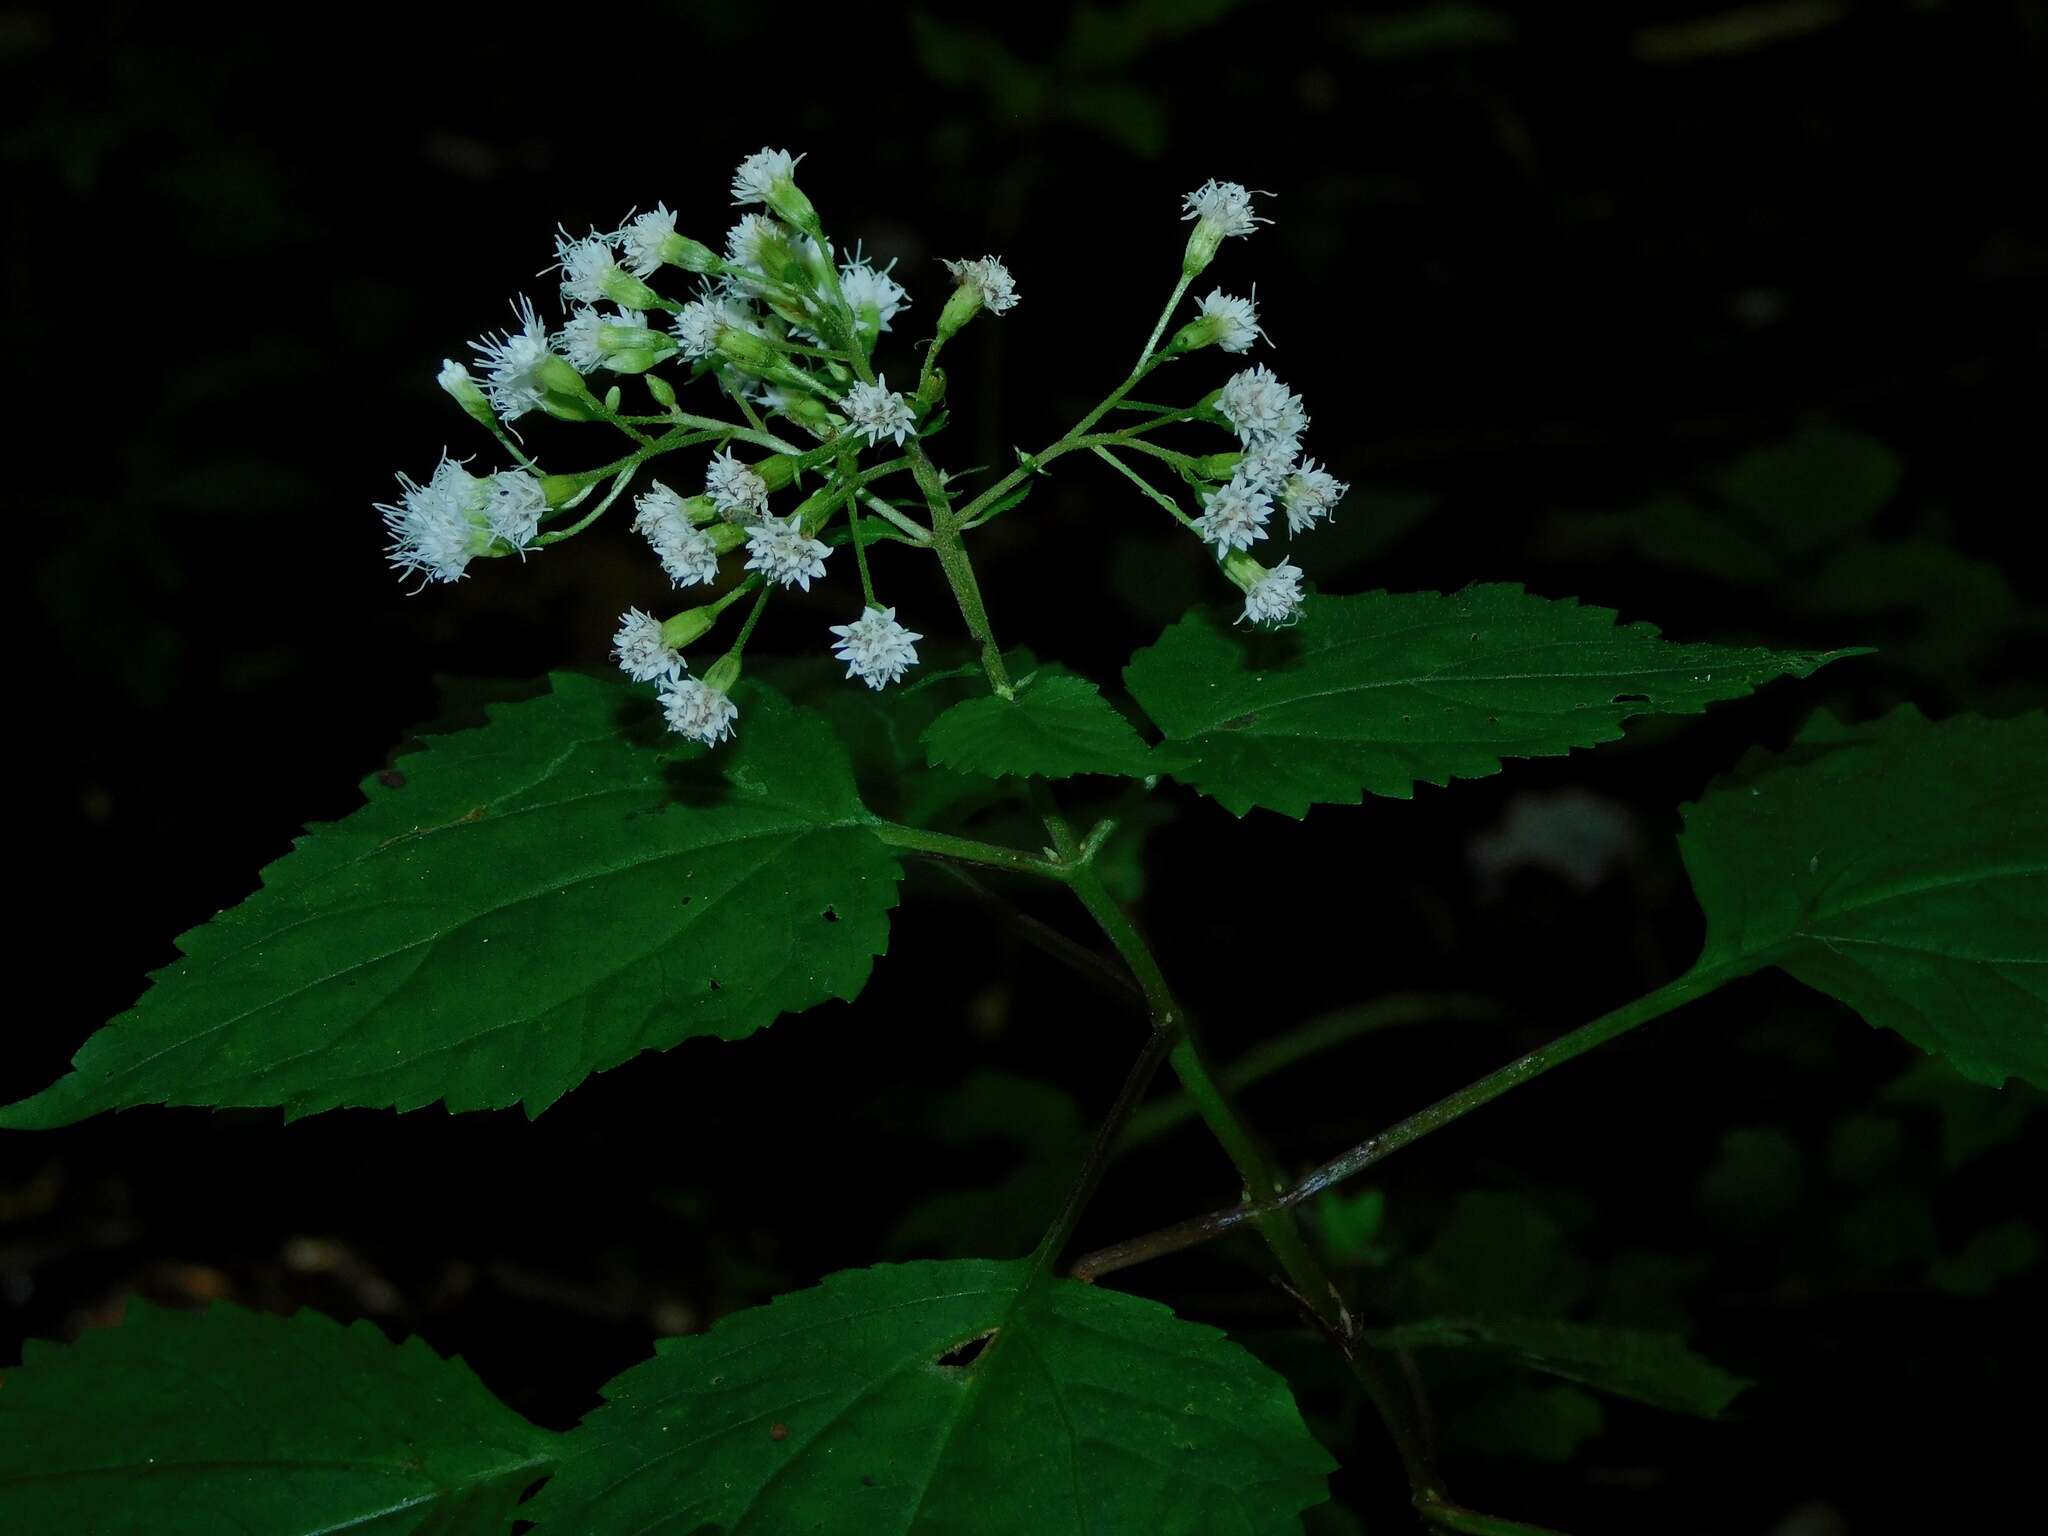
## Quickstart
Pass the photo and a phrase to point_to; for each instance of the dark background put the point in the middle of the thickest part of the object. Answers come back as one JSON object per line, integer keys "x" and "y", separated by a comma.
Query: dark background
{"x": 1729, "y": 319}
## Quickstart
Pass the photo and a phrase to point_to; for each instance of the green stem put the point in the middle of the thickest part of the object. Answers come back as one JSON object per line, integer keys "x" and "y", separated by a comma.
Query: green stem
{"x": 1444, "y": 1516}
{"x": 1151, "y": 492}
{"x": 1310, "y": 1040}
{"x": 959, "y": 569}
{"x": 944, "y": 845}
{"x": 1104, "y": 1147}
{"x": 1202, "y": 1229}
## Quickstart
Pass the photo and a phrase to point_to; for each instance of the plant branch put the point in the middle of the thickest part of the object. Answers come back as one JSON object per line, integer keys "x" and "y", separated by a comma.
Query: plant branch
{"x": 1136, "y": 1082}
{"x": 1311, "y": 1039}
{"x": 944, "y": 845}
{"x": 1105, "y": 973}
{"x": 1373, "y": 1149}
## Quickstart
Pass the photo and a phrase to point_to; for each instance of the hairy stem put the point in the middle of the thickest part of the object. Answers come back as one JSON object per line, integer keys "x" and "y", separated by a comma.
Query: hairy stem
{"x": 944, "y": 845}
{"x": 1128, "y": 1098}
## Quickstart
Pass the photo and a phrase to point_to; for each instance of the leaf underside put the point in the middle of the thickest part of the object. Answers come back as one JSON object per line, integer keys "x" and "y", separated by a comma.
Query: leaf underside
{"x": 961, "y": 1397}
{"x": 1376, "y": 693}
{"x": 1900, "y": 866}
{"x": 229, "y": 1420}
{"x": 516, "y": 907}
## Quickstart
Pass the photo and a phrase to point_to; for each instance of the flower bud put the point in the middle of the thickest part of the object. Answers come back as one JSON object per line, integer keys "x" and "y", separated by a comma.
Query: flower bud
{"x": 932, "y": 391}
{"x": 746, "y": 350}
{"x": 455, "y": 378}
{"x": 689, "y": 626}
{"x": 777, "y": 470}
{"x": 560, "y": 490}
{"x": 723, "y": 673}
{"x": 1244, "y": 572}
{"x": 611, "y": 399}
{"x": 691, "y": 255}
{"x": 962, "y": 307}
{"x": 1217, "y": 466}
{"x": 628, "y": 291}
{"x": 664, "y": 392}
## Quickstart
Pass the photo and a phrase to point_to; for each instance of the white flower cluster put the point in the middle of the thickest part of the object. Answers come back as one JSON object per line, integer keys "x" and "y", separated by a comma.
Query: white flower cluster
{"x": 783, "y": 324}
{"x": 1268, "y": 472}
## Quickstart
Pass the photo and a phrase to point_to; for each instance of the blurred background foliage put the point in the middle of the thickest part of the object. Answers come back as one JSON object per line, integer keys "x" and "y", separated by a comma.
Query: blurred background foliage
{"x": 1728, "y": 316}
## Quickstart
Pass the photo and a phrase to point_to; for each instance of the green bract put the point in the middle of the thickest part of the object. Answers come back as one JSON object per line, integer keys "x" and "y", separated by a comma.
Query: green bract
{"x": 971, "y": 1396}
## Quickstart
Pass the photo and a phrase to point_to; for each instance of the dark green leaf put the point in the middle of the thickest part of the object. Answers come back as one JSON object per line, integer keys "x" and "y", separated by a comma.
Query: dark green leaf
{"x": 1654, "y": 1368}
{"x": 517, "y": 907}
{"x": 1376, "y": 693}
{"x": 195, "y": 1424}
{"x": 957, "y": 1397}
{"x": 1058, "y": 725}
{"x": 1900, "y": 866}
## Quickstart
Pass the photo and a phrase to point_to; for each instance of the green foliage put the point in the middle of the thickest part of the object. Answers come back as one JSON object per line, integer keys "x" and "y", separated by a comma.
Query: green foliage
{"x": 1654, "y": 1368}
{"x": 516, "y": 907}
{"x": 1376, "y": 693}
{"x": 1900, "y": 866}
{"x": 971, "y": 1396}
{"x": 234, "y": 1421}
{"x": 1058, "y": 725}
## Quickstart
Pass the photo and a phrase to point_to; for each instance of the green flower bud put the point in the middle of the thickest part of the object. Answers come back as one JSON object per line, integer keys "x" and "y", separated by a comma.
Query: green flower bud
{"x": 691, "y": 255}
{"x": 560, "y": 490}
{"x": 725, "y": 537}
{"x": 962, "y": 307}
{"x": 723, "y": 673}
{"x": 777, "y": 470}
{"x": 932, "y": 391}
{"x": 664, "y": 392}
{"x": 464, "y": 391}
{"x": 627, "y": 291}
{"x": 1243, "y": 571}
{"x": 1217, "y": 466}
{"x": 746, "y": 350}
{"x": 689, "y": 626}
{"x": 611, "y": 399}
{"x": 558, "y": 378}
{"x": 805, "y": 409}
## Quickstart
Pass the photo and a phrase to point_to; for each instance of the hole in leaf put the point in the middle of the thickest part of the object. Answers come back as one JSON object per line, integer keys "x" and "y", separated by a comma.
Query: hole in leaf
{"x": 1631, "y": 698}
{"x": 715, "y": 986}
{"x": 831, "y": 916}
{"x": 966, "y": 1352}
{"x": 391, "y": 778}
{"x": 688, "y": 899}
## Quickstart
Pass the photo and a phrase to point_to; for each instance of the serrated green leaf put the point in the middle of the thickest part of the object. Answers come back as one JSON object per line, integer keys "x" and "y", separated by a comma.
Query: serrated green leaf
{"x": 1900, "y": 866}
{"x": 517, "y": 907}
{"x": 1377, "y": 693}
{"x": 192, "y": 1424}
{"x": 1654, "y": 1368}
{"x": 1058, "y": 725}
{"x": 1085, "y": 1411}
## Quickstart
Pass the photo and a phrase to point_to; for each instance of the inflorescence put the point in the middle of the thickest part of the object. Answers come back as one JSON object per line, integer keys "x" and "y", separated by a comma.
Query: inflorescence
{"x": 787, "y": 329}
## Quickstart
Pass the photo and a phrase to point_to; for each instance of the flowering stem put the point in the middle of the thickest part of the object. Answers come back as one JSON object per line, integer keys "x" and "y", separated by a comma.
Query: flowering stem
{"x": 1165, "y": 315}
{"x": 1159, "y": 496}
{"x": 958, "y": 568}
{"x": 739, "y": 641}
{"x": 944, "y": 845}
{"x": 860, "y": 549}
{"x": 1202, "y": 1229}
{"x": 619, "y": 482}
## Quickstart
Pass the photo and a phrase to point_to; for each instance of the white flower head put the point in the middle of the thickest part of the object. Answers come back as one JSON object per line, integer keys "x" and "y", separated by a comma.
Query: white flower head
{"x": 696, "y": 328}
{"x": 735, "y": 487}
{"x": 875, "y": 648}
{"x": 513, "y": 505}
{"x": 1235, "y": 321}
{"x": 988, "y": 275}
{"x": 1235, "y": 517}
{"x": 642, "y": 653}
{"x": 867, "y": 288}
{"x": 745, "y": 240}
{"x": 1276, "y": 597}
{"x": 780, "y": 550}
{"x": 585, "y": 264}
{"x": 697, "y": 710}
{"x": 761, "y": 173}
{"x": 583, "y": 340}
{"x": 877, "y": 411}
{"x": 1267, "y": 462}
{"x": 642, "y": 239}
{"x": 1309, "y": 493}
{"x": 438, "y": 528}
{"x": 1259, "y": 406}
{"x": 1224, "y": 207}
{"x": 686, "y": 552}
{"x": 511, "y": 363}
